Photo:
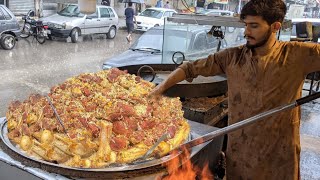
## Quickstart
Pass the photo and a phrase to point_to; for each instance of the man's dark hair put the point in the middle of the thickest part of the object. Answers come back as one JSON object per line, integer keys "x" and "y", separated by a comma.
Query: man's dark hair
{"x": 270, "y": 10}
{"x": 130, "y": 3}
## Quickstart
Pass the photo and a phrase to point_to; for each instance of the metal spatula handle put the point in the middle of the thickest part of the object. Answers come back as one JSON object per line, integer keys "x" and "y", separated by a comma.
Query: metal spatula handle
{"x": 147, "y": 154}
{"x": 57, "y": 115}
{"x": 246, "y": 122}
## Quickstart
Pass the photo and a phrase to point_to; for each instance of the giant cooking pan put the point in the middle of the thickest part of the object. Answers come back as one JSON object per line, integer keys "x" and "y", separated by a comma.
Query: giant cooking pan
{"x": 194, "y": 144}
{"x": 199, "y": 87}
{"x": 116, "y": 171}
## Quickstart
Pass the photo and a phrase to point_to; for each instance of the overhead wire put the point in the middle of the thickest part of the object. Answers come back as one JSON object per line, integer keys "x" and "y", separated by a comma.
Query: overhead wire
{"x": 215, "y": 28}
{"x": 185, "y": 4}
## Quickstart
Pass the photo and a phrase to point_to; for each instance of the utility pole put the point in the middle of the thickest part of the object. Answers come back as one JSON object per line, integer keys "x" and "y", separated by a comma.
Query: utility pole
{"x": 239, "y": 6}
{"x": 38, "y": 8}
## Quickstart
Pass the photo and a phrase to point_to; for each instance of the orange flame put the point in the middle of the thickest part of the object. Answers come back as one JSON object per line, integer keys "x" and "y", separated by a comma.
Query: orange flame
{"x": 181, "y": 167}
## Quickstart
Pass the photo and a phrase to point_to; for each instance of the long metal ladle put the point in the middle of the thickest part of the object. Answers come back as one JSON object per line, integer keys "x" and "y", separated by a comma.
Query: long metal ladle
{"x": 247, "y": 122}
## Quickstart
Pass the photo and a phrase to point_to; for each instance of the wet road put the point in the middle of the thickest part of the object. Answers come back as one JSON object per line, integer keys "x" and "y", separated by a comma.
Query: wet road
{"x": 310, "y": 140}
{"x": 31, "y": 67}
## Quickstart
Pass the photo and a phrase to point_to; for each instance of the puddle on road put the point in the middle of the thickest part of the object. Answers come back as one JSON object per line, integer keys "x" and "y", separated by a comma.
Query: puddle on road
{"x": 310, "y": 119}
{"x": 310, "y": 165}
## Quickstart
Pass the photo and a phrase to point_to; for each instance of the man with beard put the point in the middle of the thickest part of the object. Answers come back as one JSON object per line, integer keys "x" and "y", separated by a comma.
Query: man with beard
{"x": 263, "y": 74}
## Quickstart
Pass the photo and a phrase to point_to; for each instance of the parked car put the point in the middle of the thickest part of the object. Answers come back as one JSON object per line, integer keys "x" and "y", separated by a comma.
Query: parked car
{"x": 148, "y": 49}
{"x": 69, "y": 22}
{"x": 152, "y": 17}
{"x": 217, "y": 12}
{"x": 9, "y": 28}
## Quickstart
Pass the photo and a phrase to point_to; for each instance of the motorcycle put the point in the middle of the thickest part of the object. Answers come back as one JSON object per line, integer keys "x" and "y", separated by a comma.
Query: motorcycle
{"x": 34, "y": 28}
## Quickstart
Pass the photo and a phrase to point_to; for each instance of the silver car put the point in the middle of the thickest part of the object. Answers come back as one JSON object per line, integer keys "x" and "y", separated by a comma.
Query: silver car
{"x": 156, "y": 46}
{"x": 9, "y": 28}
{"x": 69, "y": 22}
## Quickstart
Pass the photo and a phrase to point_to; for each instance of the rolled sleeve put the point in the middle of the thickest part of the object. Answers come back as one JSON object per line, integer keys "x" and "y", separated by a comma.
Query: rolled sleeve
{"x": 214, "y": 64}
{"x": 310, "y": 56}
{"x": 187, "y": 67}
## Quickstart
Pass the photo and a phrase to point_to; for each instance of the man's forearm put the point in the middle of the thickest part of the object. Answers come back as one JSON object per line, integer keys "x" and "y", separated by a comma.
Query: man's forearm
{"x": 175, "y": 77}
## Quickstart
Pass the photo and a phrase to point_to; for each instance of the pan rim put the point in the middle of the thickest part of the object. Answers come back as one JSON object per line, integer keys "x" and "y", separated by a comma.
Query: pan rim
{"x": 122, "y": 168}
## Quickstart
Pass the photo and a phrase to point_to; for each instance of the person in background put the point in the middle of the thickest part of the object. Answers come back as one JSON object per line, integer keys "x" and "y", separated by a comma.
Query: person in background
{"x": 315, "y": 11}
{"x": 105, "y": 2}
{"x": 159, "y": 4}
{"x": 263, "y": 74}
{"x": 167, "y": 5}
{"x": 210, "y": 6}
{"x": 129, "y": 13}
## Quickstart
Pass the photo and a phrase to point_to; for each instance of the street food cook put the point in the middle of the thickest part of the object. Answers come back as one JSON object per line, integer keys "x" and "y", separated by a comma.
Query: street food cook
{"x": 108, "y": 118}
{"x": 262, "y": 74}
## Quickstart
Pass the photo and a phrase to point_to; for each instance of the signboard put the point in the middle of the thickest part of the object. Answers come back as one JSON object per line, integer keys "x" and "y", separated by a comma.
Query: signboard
{"x": 295, "y": 11}
{"x": 219, "y": 1}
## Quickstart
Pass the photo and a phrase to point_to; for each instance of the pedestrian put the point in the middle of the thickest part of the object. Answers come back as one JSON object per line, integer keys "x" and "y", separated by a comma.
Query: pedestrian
{"x": 210, "y": 6}
{"x": 315, "y": 11}
{"x": 262, "y": 74}
{"x": 167, "y": 5}
{"x": 159, "y": 4}
{"x": 129, "y": 13}
{"x": 105, "y": 2}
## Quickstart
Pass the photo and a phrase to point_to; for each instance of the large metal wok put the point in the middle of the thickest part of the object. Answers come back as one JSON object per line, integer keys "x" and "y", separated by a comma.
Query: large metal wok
{"x": 114, "y": 171}
{"x": 128, "y": 170}
{"x": 199, "y": 87}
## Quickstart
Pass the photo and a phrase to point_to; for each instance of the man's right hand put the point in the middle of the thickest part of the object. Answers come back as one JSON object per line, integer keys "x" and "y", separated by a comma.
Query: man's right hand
{"x": 157, "y": 91}
{"x": 175, "y": 77}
